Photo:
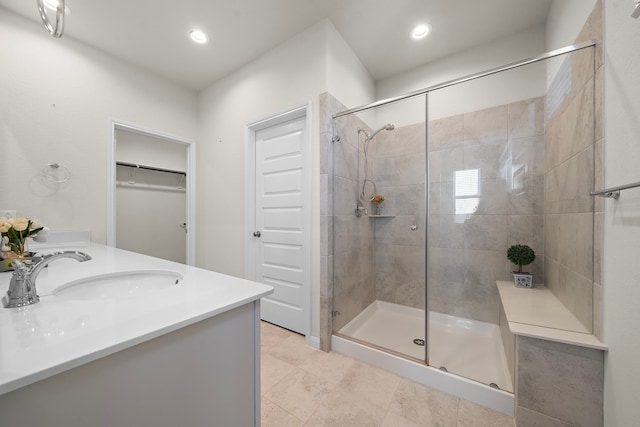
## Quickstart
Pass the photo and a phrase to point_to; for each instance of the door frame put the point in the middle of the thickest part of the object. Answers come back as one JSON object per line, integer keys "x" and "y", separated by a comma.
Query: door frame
{"x": 190, "y": 181}
{"x": 250, "y": 260}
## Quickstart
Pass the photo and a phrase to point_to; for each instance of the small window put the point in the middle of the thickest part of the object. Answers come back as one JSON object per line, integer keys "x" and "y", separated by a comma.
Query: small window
{"x": 467, "y": 191}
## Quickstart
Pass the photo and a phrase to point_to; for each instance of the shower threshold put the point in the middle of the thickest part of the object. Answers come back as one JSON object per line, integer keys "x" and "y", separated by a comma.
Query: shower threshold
{"x": 469, "y": 350}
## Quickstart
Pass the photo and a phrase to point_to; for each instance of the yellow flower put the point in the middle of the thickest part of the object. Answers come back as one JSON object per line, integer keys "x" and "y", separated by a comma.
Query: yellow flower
{"x": 19, "y": 224}
{"x": 5, "y": 225}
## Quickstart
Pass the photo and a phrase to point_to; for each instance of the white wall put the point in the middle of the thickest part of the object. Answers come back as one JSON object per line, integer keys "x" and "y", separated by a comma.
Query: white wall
{"x": 288, "y": 76}
{"x": 621, "y": 276}
{"x": 347, "y": 78}
{"x": 477, "y": 95}
{"x": 294, "y": 73}
{"x": 149, "y": 213}
{"x": 57, "y": 98}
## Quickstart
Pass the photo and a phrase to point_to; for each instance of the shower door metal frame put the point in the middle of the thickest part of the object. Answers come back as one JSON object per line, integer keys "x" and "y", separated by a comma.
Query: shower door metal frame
{"x": 426, "y": 228}
{"x": 475, "y": 76}
{"x": 425, "y": 91}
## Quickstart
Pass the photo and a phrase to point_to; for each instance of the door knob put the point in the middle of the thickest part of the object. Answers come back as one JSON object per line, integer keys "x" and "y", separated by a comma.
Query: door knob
{"x": 257, "y": 234}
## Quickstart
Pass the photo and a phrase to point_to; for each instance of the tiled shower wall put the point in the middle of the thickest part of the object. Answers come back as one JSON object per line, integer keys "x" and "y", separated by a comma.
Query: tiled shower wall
{"x": 569, "y": 177}
{"x": 397, "y": 163}
{"x": 467, "y": 252}
{"x": 561, "y": 384}
{"x": 353, "y": 237}
{"x": 328, "y": 105}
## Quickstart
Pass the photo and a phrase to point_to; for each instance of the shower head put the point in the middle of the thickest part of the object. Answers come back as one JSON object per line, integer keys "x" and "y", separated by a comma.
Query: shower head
{"x": 368, "y": 137}
{"x": 388, "y": 126}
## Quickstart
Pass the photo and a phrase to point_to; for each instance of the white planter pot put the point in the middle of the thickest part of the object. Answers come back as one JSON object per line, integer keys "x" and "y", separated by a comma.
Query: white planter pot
{"x": 523, "y": 280}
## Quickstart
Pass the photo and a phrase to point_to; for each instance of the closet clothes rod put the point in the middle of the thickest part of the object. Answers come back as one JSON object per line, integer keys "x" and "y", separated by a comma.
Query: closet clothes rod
{"x": 150, "y": 168}
{"x": 614, "y": 192}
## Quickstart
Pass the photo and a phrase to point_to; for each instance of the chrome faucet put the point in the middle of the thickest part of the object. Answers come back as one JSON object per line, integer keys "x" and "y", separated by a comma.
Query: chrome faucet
{"x": 22, "y": 289}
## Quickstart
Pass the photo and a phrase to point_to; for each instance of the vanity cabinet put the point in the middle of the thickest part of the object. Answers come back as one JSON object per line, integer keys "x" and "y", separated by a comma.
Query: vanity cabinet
{"x": 203, "y": 374}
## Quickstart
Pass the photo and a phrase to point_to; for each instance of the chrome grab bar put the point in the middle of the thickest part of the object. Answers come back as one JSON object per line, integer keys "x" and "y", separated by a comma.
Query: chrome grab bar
{"x": 614, "y": 192}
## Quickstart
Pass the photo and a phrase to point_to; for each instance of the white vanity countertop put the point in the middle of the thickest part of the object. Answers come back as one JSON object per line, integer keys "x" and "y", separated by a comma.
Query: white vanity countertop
{"x": 60, "y": 333}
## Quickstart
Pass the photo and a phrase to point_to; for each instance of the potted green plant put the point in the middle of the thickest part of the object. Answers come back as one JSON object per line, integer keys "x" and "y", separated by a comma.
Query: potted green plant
{"x": 521, "y": 255}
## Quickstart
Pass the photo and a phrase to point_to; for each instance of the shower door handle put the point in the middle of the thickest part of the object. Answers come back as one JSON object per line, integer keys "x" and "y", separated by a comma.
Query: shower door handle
{"x": 257, "y": 233}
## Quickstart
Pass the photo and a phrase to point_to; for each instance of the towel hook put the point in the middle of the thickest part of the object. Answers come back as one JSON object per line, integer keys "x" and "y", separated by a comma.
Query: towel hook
{"x": 55, "y": 172}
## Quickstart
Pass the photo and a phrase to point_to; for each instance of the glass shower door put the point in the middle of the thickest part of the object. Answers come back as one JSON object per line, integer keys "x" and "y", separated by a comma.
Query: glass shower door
{"x": 511, "y": 161}
{"x": 379, "y": 228}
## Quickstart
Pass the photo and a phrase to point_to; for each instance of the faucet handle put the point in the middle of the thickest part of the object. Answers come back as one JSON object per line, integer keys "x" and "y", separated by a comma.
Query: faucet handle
{"x": 22, "y": 290}
{"x": 19, "y": 268}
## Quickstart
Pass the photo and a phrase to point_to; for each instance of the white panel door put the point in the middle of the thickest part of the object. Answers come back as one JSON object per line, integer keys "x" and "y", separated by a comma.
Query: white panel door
{"x": 280, "y": 239}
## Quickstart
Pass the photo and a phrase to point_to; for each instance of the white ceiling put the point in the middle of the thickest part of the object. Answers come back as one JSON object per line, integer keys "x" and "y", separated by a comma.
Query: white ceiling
{"x": 153, "y": 34}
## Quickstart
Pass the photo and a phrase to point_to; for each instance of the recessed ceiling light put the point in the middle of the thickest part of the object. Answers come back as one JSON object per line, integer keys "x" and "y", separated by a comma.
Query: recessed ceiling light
{"x": 53, "y": 5}
{"x": 420, "y": 31}
{"x": 198, "y": 36}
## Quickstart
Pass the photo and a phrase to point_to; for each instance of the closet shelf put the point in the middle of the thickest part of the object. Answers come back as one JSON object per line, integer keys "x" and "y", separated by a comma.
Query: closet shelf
{"x": 151, "y": 168}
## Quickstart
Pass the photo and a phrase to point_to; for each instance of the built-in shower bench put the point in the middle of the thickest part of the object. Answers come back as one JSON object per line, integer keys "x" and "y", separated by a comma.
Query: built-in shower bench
{"x": 558, "y": 364}
{"x": 537, "y": 313}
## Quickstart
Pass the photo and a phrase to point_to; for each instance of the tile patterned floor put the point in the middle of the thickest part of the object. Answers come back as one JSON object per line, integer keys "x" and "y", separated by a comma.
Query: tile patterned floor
{"x": 302, "y": 386}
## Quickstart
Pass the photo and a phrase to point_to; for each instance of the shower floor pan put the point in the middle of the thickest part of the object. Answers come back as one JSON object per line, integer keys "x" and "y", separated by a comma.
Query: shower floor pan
{"x": 464, "y": 347}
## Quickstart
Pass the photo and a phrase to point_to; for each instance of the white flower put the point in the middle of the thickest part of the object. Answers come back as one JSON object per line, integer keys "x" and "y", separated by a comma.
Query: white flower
{"x": 35, "y": 224}
{"x": 5, "y": 225}
{"x": 20, "y": 224}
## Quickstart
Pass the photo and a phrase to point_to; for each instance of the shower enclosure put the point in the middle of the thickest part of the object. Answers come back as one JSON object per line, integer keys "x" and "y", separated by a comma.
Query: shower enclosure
{"x": 466, "y": 169}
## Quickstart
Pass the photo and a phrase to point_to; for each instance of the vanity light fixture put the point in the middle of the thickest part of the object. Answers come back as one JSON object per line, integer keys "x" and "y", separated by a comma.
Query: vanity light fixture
{"x": 198, "y": 36}
{"x": 420, "y": 31}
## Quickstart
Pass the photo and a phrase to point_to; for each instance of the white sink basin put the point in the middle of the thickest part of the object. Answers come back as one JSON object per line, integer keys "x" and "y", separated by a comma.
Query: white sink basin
{"x": 120, "y": 285}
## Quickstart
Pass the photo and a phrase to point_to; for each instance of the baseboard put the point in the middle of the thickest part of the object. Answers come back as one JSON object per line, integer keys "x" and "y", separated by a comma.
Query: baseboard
{"x": 313, "y": 342}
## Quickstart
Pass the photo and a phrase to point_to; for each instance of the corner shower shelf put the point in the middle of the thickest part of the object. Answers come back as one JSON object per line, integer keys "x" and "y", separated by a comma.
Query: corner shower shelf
{"x": 537, "y": 313}
{"x": 382, "y": 216}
